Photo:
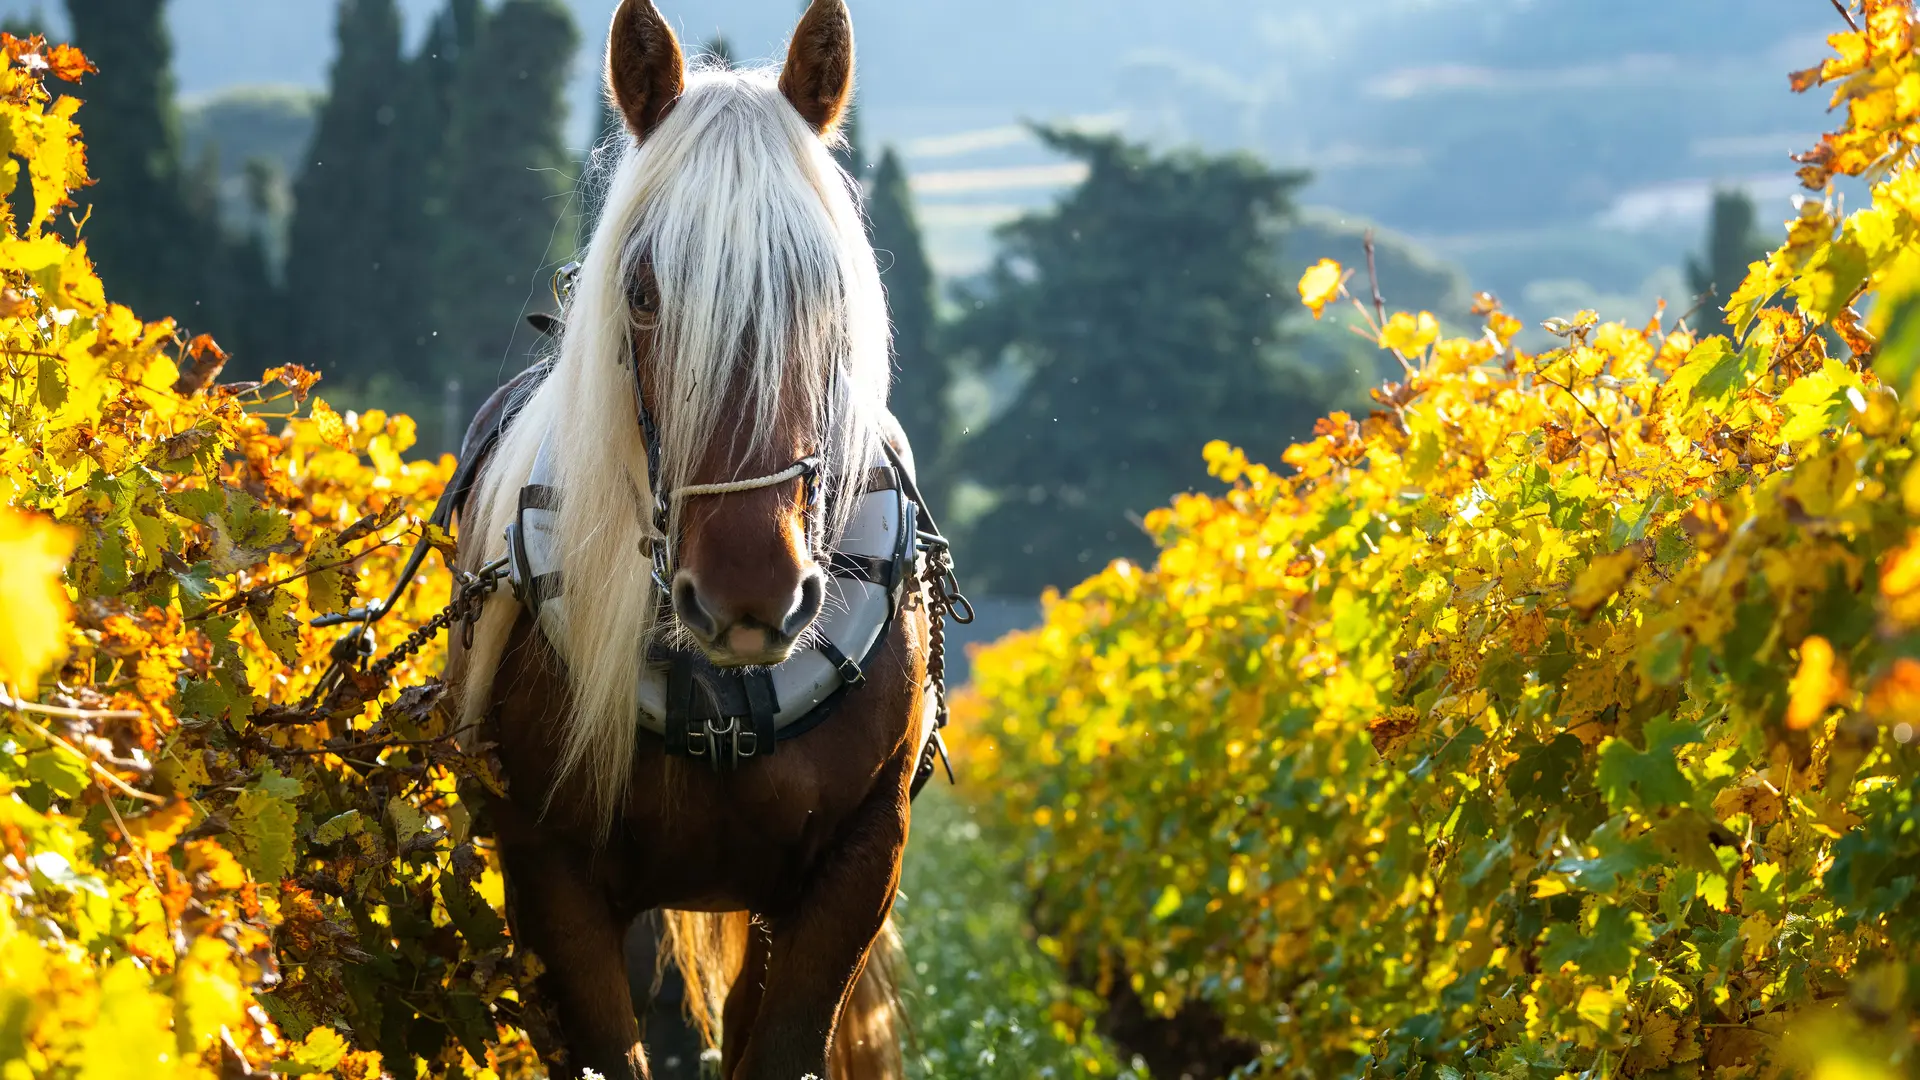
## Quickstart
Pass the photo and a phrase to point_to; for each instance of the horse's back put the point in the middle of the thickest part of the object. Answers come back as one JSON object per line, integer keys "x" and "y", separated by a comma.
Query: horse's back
{"x": 483, "y": 434}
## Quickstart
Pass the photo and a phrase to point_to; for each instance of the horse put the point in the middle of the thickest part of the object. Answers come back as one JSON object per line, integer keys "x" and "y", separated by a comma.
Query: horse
{"x": 698, "y": 446}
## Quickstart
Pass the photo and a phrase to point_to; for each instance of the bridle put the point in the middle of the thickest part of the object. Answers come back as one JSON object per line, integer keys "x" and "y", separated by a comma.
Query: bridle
{"x": 659, "y": 546}
{"x": 745, "y": 716}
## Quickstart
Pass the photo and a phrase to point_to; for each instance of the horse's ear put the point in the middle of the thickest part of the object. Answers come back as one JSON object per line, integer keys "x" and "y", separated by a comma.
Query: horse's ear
{"x": 818, "y": 78}
{"x": 645, "y": 69}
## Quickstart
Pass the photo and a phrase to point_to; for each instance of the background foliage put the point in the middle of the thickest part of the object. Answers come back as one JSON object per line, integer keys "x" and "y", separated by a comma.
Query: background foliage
{"x": 390, "y": 239}
{"x": 1138, "y": 316}
{"x": 1557, "y": 717}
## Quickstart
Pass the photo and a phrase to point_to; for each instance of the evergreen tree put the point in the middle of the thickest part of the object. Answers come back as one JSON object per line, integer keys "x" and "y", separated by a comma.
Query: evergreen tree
{"x": 339, "y": 270}
{"x": 921, "y": 377}
{"x": 1733, "y": 242}
{"x": 31, "y": 24}
{"x": 149, "y": 241}
{"x": 248, "y": 303}
{"x": 609, "y": 133}
{"x": 1143, "y": 311}
{"x": 850, "y": 153}
{"x": 506, "y": 183}
{"x": 418, "y": 223}
{"x": 719, "y": 48}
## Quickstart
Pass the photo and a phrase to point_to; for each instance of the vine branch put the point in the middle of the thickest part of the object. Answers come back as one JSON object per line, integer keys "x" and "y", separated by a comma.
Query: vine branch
{"x": 23, "y": 708}
{"x": 377, "y": 744}
{"x": 240, "y": 599}
{"x": 1605, "y": 431}
{"x": 1380, "y": 302}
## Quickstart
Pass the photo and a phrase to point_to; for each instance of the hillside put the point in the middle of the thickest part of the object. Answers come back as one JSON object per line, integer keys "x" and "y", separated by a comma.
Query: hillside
{"x": 1614, "y": 118}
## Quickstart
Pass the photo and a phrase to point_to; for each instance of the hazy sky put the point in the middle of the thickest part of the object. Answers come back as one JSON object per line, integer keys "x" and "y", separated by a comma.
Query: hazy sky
{"x": 1451, "y": 119}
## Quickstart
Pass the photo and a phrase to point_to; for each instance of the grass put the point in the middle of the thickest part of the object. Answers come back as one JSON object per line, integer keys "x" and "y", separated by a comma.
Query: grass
{"x": 984, "y": 999}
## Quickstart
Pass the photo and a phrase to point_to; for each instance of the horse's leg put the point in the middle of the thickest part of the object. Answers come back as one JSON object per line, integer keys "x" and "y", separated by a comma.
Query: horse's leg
{"x": 743, "y": 1000}
{"x": 567, "y": 922}
{"x": 820, "y": 948}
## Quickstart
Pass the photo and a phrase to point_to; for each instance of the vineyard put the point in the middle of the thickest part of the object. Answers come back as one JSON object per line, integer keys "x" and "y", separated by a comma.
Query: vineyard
{"x": 1555, "y": 719}
{"x": 200, "y": 878}
{"x": 1558, "y": 717}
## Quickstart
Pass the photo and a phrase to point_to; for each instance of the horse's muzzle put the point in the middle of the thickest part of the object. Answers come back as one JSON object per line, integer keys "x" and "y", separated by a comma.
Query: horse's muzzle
{"x": 748, "y": 638}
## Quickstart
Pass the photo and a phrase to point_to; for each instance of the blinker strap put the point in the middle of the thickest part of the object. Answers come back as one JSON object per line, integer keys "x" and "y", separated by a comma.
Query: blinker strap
{"x": 539, "y": 497}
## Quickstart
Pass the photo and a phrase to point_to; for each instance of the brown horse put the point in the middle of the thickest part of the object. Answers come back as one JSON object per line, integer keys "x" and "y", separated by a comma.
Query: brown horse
{"x": 702, "y": 442}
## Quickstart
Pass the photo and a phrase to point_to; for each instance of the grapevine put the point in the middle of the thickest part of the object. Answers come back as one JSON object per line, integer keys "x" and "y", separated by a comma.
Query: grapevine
{"x": 1555, "y": 718}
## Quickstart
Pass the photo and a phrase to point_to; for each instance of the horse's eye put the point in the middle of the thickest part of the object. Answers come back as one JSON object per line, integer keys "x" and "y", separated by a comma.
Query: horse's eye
{"x": 648, "y": 310}
{"x": 644, "y": 299}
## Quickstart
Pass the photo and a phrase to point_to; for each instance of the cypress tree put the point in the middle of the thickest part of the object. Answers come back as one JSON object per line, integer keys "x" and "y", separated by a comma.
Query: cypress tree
{"x": 340, "y": 272}
{"x": 597, "y": 164}
{"x": 850, "y": 153}
{"x": 145, "y": 236}
{"x": 419, "y": 211}
{"x": 1143, "y": 314}
{"x": 719, "y": 48}
{"x": 1733, "y": 242}
{"x": 506, "y": 183}
{"x": 920, "y": 372}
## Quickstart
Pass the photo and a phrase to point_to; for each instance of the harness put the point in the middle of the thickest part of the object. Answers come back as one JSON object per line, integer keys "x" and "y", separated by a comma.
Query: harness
{"x": 727, "y": 716}
{"x": 892, "y": 557}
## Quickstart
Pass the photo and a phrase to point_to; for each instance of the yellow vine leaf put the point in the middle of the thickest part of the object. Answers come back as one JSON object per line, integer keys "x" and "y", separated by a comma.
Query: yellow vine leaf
{"x": 1537, "y": 656}
{"x": 1409, "y": 334}
{"x": 331, "y": 427}
{"x": 33, "y": 553}
{"x": 158, "y": 829}
{"x": 1603, "y": 577}
{"x": 1321, "y": 285}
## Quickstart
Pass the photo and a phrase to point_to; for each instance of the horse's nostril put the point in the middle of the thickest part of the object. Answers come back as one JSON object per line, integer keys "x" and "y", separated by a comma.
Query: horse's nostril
{"x": 692, "y": 613}
{"x": 813, "y": 594}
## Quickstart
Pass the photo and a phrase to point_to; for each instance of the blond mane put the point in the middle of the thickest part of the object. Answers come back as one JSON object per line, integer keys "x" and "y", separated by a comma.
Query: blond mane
{"x": 767, "y": 284}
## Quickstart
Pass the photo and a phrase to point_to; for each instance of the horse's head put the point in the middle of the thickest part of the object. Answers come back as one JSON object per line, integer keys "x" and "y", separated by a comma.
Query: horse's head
{"x": 743, "y": 288}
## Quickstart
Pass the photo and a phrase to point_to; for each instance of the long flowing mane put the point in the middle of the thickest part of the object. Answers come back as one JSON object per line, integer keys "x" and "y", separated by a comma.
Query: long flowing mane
{"x": 767, "y": 286}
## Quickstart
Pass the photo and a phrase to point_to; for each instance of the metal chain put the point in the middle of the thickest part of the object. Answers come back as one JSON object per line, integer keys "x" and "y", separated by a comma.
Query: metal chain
{"x": 464, "y": 609}
{"x": 944, "y": 600}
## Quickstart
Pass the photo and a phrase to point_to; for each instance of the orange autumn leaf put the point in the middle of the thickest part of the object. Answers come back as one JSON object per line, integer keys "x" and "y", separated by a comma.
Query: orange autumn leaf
{"x": 1817, "y": 685}
{"x": 294, "y": 377}
{"x": 1895, "y": 698}
{"x": 69, "y": 64}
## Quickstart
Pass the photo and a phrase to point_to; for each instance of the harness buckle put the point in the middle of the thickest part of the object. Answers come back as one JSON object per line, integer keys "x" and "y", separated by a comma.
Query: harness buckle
{"x": 725, "y": 743}
{"x": 850, "y": 672}
{"x": 746, "y": 743}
